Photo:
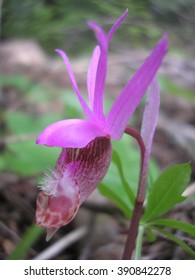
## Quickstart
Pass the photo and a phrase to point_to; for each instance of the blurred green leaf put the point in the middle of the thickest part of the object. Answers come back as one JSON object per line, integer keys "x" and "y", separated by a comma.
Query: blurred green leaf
{"x": 110, "y": 194}
{"x": 21, "y": 122}
{"x": 152, "y": 176}
{"x": 113, "y": 185}
{"x": 116, "y": 160}
{"x": 29, "y": 238}
{"x": 185, "y": 227}
{"x": 150, "y": 236}
{"x": 27, "y": 158}
{"x": 21, "y": 154}
{"x": 71, "y": 104}
{"x": 2, "y": 163}
{"x": 169, "y": 86}
{"x": 167, "y": 190}
{"x": 19, "y": 82}
{"x": 33, "y": 92}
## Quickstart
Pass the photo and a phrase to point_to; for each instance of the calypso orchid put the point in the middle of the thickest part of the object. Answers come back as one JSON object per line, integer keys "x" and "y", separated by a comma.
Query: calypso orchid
{"x": 86, "y": 143}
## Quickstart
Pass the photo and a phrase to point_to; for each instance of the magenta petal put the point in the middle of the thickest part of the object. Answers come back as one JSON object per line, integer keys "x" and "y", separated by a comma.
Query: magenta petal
{"x": 85, "y": 107}
{"x": 101, "y": 71}
{"x": 150, "y": 116}
{"x": 99, "y": 32}
{"x": 132, "y": 94}
{"x": 86, "y": 166}
{"x": 71, "y": 133}
{"x": 115, "y": 26}
{"x": 92, "y": 74}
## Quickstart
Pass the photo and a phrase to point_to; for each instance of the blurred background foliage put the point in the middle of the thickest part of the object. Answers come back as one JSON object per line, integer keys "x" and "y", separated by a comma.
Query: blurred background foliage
{"x": 61, "y": 23}
{"x": 32, "y": 98}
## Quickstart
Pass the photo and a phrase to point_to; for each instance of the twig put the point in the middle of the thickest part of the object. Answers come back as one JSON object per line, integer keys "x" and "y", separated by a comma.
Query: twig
{"x": 61, "y": 244}
{"x": 9, "y": 233}
{"x": 5, "y": 230}
{"x": 88, "y": 240}
{"x": 19, "y": 203}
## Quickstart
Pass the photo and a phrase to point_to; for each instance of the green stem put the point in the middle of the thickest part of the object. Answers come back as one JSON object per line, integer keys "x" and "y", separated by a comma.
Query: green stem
{"x": 138, "y": 246}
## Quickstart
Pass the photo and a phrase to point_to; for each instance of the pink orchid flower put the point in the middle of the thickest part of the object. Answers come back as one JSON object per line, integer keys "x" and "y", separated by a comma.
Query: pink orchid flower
{"x": 86, "y": 143}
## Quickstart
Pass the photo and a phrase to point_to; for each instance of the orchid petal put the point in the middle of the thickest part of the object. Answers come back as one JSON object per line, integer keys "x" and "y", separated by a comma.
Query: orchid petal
{"x": 100, "y": 66}
{"x": 101, "y": 71}
{"x": 92, "y": 74}
{"x": 86, "y": 166}
{"x": 71, "y": 133}
{"x": 149, "y": 123}
{"x": 95, "y": 160}
{"x": 129, "y": 99}
{"x": 150, "y": 116}
{"x": 76, "y": 175}
{"x": 116, "y": 25}
{"x": 85, "y": 107}
{"x": 58, "y": 204}
{"x": 99, "y": 32}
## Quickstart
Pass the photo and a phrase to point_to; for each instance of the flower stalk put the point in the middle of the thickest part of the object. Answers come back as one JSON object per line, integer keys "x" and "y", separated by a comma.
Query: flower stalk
{"x": 137, "y": 212}
{"x": 144, "y": 140}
